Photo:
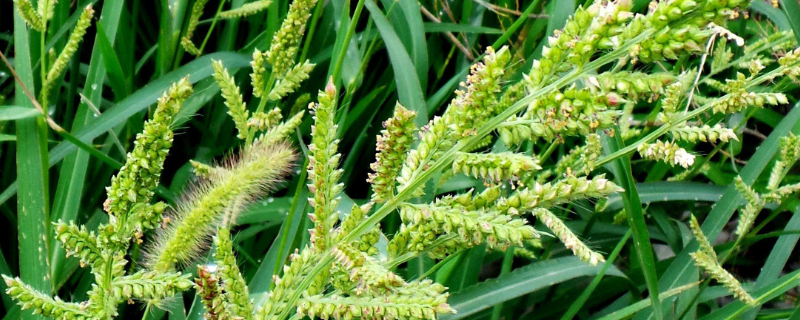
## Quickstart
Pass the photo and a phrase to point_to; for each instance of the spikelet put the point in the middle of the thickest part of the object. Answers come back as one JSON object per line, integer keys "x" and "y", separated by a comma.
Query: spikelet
{"x": 736, "y": 102}
{"x": 218, "y": 200}
{"x": 29, "y": 14}
{"x": 235, "y": 288}
{"x": 79, "y": 242}
{"x": 361, "y": 273}
{"x": 558, "y": 46}
{"x": 473, "y": 227}
{"x": 568, "y": 112}
{"x": 471, "y": 201}
{"x": 210, "y": 292}
{"x": 237, "y": 108}
{"x": 401, "y": 241}
{"x": 594, "y": 148}
{"x": 678, "y": 27}
{"x": 755, "y": 203}
{"x": 671, "y": 102}
{"x": 57, "y": 67}
{"x": 789, "y": 62}
{"x": 368, "y": 241}
{"x": 138, "y": 178}
{"x": 417, "y": 300}
{"x": 286, "y": 41}
{"x": 351, "y": 221}
{"x": 291, "y": 81}
{"x": 30, "y": 299}
{"x": 143, "y": 217}
{"x": 569, "y": 239}
{"x": 705, "y": 245}
{"x": 785, "y": 191}
{"x": 634, "y": 86}
{"x": 668, "y": 152}
{"x": 245, "y": 10}
{"x": 789, "y": 153}
{"x": 259, "y": 66}
{"x": 476, "y": 104}
{"x": 282, "y": 131}
{"x": 704, "y": 133}
{"x": 293, "y": 273}
{"x": 45, "y": 9}
{"x": 149, "y": 285}
{"x": 495, "y": 166}
{"x": 323, "y": 162}
{"x": 392, "y": 147}
{"x": 194, "y": 20}
{"x": 467, "y": 111}
{"x": 562, "y": 191}
{"x": 713, "y": 269}
{"x": 261, "y": 121}
{"x": 738, "y": 97}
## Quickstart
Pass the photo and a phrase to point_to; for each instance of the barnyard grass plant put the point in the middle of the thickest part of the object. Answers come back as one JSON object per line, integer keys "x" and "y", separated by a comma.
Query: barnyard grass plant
{"x": 498, "y": 172}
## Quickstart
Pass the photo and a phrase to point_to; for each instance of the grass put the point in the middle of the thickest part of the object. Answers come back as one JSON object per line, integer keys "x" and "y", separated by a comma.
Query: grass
{"x": 381, "y": 52}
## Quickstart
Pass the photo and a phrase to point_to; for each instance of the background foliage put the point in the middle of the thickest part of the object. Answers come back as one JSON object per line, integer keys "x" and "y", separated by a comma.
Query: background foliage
{"x": 407, "y": 51}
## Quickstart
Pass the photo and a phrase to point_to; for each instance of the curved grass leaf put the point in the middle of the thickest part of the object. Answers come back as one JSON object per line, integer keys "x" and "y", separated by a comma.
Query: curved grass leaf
{"x": 409, "y": 89}
{"x": 792, "y": 10}
{"x": 520, "y": 282}
{"x": 774, "y": 14}
{"x": 663, "y": 191}
{"x": 621, "y": 167}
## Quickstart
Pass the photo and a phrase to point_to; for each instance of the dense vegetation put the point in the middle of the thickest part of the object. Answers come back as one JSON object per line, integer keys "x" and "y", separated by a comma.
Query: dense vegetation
{"x": 400, "y": 159}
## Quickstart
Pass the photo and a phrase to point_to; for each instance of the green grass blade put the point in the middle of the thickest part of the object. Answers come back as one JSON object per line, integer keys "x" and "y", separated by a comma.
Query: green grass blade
{"x": 33, "y": 218}
{"x": 116, "y": 77}
{"x": 408, "y": 85}
{"x": 774, "y": 14}
{"x": 419, "y": 46}
{"x": 520, "y": 282}
{"x": 792, "y": 10}
{"x": 346, "y": 69}
{"x": 621, "y": 167}
{"x": 663, "y": 191}
{"x": 12, "y": 112}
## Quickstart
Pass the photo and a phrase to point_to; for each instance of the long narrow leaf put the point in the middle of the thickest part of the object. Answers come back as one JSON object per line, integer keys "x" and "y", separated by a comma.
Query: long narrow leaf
{"x": 520, "y": 282}
{"x": 32, "y": 202}
{"x": 621, "y": 167}
{"x": 408, "y": 85}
